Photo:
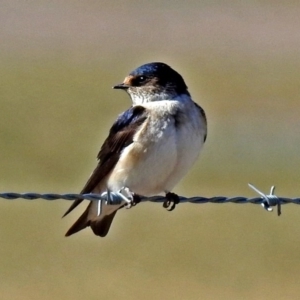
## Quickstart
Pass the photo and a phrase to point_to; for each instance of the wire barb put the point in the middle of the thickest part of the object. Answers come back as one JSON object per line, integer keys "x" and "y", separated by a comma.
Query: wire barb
{"x": 268, "y": 200}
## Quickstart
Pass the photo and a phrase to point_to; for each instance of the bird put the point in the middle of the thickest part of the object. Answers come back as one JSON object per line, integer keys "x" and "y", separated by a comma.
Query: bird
{"x": 149, "y": 148}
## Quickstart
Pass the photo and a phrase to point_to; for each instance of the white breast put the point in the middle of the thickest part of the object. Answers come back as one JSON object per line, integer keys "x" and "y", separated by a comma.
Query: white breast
{"x": 161, "y": 153}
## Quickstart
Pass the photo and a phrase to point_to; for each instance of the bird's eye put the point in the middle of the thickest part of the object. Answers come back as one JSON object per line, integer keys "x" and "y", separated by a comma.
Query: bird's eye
{"x": 140, "y": 80}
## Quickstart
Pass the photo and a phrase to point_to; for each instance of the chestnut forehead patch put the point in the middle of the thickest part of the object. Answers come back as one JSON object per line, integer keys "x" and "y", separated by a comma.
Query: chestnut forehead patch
{"x": 128, "y": 80}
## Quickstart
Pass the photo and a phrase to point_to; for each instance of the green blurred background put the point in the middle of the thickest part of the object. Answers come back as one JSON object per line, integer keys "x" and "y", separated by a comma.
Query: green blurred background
{"x": 241, "y": 61}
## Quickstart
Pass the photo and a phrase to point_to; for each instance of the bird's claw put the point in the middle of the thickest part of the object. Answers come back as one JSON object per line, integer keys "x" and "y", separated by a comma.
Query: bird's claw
{"x": 129, "y": 197}
{"x": 171, "y": 200}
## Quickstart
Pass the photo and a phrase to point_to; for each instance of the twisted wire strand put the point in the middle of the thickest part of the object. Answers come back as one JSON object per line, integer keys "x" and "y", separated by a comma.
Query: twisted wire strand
{"x": 156, "y": 199}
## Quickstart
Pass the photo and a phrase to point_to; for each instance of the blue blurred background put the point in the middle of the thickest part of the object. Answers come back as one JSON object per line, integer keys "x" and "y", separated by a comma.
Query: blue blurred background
{"x": 241, "y": 61}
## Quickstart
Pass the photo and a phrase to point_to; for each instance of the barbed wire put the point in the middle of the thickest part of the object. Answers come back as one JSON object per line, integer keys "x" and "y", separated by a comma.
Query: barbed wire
{"x": 110, "y": 198}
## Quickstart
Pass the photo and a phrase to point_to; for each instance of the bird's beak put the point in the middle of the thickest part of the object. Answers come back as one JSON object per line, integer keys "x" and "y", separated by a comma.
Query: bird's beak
{"x": 125, "y": 84}
{"x": 121, "y": 86}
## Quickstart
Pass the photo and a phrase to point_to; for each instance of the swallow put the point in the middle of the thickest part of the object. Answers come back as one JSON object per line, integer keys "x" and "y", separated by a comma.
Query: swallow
{"x": 149, "y": 148}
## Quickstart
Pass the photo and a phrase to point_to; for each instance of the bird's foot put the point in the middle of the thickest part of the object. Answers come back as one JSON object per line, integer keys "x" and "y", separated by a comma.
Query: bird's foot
{"x": 129, "y": 197}
{"x": 171, "y": 200}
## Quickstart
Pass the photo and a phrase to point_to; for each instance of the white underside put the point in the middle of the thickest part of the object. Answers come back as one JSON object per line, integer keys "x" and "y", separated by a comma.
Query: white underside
{"x": 161, "y": 154}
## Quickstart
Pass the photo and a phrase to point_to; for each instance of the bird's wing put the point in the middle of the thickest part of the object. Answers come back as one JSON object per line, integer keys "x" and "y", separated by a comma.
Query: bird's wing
{"x": 120, "y": 136}
{"x": 203, "y": 116}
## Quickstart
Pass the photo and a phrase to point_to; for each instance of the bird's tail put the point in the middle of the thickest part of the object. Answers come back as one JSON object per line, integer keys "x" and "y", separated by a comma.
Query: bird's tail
{"x": 100, "y": 224}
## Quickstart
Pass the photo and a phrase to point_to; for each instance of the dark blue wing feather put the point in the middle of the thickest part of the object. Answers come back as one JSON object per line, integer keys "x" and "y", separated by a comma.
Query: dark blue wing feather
{"x": 120, "y": 136}
{"x": 127, "y": 118}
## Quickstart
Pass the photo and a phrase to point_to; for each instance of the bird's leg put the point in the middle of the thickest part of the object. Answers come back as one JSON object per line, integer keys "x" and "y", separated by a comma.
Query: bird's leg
{"x": 129, "y": 197}
{"x": 171, "y": 200}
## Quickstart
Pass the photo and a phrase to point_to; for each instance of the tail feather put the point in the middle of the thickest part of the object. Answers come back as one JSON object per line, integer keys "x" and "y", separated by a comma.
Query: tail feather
{"x": 99, "y": 224}
{"x": 74, "y": 204}
{"x": 101, "y": 227}
{"x": 81, "y": 223}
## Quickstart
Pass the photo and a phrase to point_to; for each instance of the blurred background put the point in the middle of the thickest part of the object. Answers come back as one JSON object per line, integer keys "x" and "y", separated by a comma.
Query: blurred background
{"x": 241, "y": 61}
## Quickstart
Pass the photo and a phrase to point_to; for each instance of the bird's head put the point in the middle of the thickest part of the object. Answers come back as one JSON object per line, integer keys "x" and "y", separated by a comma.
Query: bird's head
{"x": 153, "y": 82}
